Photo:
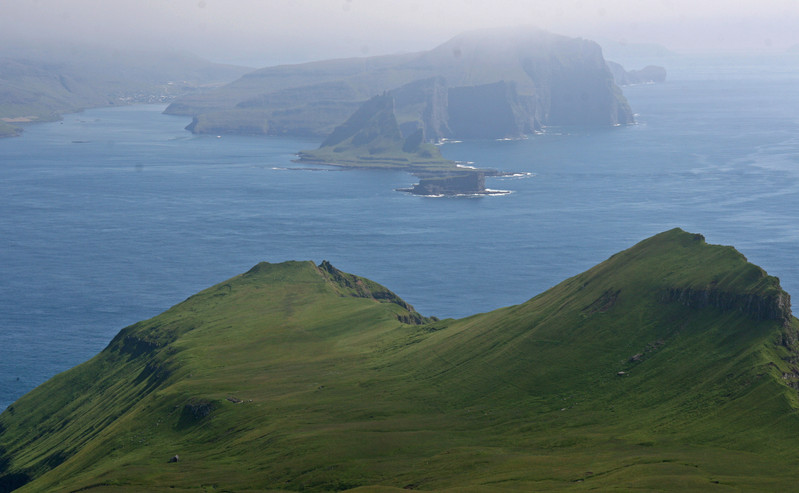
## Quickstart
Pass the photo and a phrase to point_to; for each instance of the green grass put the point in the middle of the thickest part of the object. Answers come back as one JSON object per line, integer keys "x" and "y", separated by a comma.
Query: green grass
{"x": 301, "y": 377}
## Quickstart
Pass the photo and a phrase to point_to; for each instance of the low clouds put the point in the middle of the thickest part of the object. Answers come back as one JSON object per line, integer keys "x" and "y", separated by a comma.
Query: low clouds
{"x": 282, "y": 31}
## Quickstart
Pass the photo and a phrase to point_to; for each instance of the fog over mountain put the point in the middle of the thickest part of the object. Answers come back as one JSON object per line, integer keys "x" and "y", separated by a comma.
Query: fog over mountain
{"x": 260, "y": 33}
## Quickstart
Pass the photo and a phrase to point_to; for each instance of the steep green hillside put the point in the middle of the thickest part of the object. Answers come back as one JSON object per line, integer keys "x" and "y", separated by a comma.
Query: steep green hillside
{"x": 670, "y": 366}
{"x": 546, "y": 79}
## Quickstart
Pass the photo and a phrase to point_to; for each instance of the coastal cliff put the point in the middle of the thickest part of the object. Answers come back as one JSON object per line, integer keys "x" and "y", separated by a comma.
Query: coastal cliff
{"x": 537, "y": 78}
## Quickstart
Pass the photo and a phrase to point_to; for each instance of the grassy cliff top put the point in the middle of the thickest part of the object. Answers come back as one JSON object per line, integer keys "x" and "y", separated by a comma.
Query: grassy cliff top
{"x": 670, "y": 366}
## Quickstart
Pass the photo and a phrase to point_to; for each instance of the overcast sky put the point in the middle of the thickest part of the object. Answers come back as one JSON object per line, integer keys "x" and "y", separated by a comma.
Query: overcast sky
{"x": 266, "y": 32}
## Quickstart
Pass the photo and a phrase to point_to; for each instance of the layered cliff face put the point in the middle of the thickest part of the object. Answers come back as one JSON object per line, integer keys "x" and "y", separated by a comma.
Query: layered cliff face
{"x": 671, "y": 365}
{"x": 546, "y": 79}
{"x": 490, "y": 111}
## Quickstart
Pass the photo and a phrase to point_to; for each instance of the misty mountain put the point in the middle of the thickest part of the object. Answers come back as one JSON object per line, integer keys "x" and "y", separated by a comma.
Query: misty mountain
{"x": 548, "y": 80}
{"x": 41, "y": 85}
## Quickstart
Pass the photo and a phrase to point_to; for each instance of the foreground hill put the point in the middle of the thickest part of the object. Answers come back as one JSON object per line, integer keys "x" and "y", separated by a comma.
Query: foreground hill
{"x": 36, "y": 86}
{"x": 671, "y": 365}
{"x": 542, "y": 78}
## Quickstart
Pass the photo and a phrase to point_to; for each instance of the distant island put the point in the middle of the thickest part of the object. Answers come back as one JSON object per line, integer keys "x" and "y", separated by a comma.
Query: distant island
{"x": 371, "y": 138}
{"x": 388, "y": 111}
{"x": 41, "y": 86}
{"x": 375, "y": 112}
{"x": 488, "y": 84}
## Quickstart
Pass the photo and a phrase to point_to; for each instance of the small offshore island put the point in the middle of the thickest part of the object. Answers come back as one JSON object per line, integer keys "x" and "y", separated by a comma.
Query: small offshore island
{"x": 371, "y": 138}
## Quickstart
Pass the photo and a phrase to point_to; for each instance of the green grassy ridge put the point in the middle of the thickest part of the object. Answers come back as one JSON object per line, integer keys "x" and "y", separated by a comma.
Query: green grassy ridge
{"x": 301, "y": 377}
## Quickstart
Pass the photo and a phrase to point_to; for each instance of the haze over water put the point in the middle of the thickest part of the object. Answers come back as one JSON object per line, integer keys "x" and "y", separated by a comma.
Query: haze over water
{"x": 116, "y": 214}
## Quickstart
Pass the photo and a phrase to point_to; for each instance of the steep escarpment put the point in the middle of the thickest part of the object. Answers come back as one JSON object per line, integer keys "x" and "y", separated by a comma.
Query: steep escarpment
{"x": 490, "y": 111}
{"x": 544, "y": 79}
{"x": 772, "y": 306}
{"x": 671, "y": 365}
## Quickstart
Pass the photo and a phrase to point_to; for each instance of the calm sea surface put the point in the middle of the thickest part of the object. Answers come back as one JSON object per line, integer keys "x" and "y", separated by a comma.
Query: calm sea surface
{"x": 114, "y": 215}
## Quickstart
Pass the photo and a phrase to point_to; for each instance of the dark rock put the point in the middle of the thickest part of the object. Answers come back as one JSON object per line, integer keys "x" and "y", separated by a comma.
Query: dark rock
{"x": 452, "y": 184}
{"x": 199, "y": 410}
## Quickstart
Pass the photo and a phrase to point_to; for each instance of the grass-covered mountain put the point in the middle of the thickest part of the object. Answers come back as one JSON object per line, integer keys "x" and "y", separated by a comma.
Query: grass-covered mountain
{"x": 545, "y": 78}
{"x": 670, "y": 366}
{"x": 41, "y": 85}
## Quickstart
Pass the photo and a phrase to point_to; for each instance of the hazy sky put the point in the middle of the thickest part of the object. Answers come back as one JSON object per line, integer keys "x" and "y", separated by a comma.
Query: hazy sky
{"x": 266, "y": 32}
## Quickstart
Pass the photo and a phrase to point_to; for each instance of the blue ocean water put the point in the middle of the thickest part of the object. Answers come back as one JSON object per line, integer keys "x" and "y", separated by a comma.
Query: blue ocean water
{"x": 113, "y": 215}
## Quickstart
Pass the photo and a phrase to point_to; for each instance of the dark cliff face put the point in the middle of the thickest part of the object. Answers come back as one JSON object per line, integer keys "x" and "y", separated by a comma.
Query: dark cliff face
{"x": 582, "y": 88}
{"x": 487, "y": 111}
{"x": 422, "y": 105}
{"x": 510, "y": 82}
{"x": 566, "y": 80}
{"x": 468, "y": 182}
{"x": 772, "y": 306}
{"x": 490, "y": 111}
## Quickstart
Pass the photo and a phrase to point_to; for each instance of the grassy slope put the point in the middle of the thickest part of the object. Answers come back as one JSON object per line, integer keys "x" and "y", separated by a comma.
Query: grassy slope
{"x": 309, "y": 389}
